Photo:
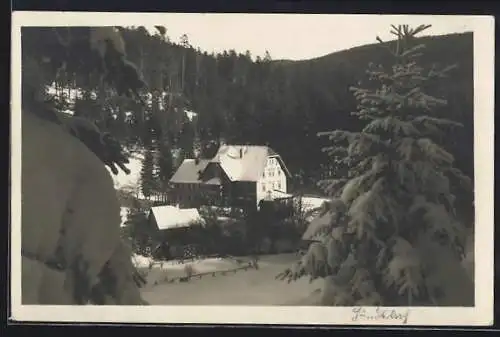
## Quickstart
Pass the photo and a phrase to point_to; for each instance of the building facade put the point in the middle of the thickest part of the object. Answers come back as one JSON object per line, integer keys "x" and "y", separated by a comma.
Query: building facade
{"x": 273, "y": 181}
{"x": 238, "y": 176}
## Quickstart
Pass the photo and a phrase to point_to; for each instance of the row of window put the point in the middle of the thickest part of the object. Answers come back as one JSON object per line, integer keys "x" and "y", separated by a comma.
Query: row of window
{"x": 271, "y": 172}
{"x": 272, "y": 186}
{"x": 272, "y": 161}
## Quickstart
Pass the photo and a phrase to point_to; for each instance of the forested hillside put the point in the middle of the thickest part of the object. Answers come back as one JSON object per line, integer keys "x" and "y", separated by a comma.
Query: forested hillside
{"x": 284, "y": 104}
{"x": 280, "y": 103}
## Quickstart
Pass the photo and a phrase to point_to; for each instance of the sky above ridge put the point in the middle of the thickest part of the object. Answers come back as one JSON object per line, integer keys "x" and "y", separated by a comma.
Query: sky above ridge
{"x": 294, "y": 36}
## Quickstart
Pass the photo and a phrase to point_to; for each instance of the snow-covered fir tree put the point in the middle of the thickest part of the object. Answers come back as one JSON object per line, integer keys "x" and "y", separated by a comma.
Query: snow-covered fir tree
{"x": 393, "y": 237}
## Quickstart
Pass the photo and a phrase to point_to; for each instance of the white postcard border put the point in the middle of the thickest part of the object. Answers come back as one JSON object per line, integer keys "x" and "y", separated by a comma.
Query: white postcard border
{"x": 481, "y": 314}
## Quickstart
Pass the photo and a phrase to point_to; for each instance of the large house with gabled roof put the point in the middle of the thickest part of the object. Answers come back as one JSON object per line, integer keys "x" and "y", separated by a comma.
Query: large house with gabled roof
{"x": 237, "y": 176}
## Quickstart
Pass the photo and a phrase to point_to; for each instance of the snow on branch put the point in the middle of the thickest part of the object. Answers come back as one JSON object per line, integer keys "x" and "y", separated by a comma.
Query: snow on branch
{"x": 404, "y": 271}
{"x": 394, "y": 125}
{"x": 437, "y": 218}
{"x": 434, "y": 126}
{"x": 434, "y": 153}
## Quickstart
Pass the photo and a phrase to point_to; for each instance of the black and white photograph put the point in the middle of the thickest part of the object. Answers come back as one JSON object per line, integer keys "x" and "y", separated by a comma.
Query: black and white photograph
{"x": 252, "y": 168}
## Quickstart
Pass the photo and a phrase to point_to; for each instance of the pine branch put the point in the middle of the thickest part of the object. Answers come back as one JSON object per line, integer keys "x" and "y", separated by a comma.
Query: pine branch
{"x": 367, "y": 210}
{"x": 420, "y": 29}
{"x": 412, "y": 50}
{"x": 436, "y": 217}
{"x": 435, "y": 153}
{"x": 394, "y": 125}
{"x": 362, "y": 284}
{"x": 64, "y": 42}
{"x": 334, "y": 151}
{"x": 404, "y": 269}
{"x": 465, "y": 181}
{"x": 332, "y": 186}
{"x": 441, "y": 122}
{"x": 338, "y": 135}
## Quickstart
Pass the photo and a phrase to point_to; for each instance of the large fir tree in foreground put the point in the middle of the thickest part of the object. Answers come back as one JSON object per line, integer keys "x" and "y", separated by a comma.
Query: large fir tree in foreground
{"x": 393, "y": 237}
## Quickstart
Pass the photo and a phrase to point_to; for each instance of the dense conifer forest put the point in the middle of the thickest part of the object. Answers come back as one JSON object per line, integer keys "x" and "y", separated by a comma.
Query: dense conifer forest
{"x": 244, "y": 99}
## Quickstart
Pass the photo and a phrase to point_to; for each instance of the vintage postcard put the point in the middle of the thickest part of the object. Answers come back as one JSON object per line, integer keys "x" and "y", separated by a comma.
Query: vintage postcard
{"x": 252, "y": 168}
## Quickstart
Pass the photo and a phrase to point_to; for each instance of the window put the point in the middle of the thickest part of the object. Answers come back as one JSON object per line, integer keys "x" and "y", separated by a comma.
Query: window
{"x": 263, "y": 187}
{"x": 279, "y": 172}
{"x": 279, "y": 185}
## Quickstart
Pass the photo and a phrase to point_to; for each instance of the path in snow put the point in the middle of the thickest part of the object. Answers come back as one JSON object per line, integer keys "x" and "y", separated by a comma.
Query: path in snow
{"x": 251, "y": 287}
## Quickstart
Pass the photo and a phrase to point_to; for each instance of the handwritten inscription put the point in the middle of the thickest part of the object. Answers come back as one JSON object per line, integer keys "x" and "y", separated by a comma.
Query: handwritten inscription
{"x": 380, "y": 314}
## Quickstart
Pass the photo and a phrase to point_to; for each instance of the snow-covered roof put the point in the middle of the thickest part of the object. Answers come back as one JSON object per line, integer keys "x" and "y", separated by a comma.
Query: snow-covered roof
{"x": 168, "y": 217}
{"x": 239, "y": 163}
{"x": 245, "y": 162}
{"x": 189, "y": 171}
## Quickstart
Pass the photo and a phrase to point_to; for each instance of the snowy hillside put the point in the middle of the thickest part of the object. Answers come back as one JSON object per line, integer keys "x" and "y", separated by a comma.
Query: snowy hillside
{"x": 121, "y": 180}
{"x": 71, "y": 94}
{"x": 132, "y": 180}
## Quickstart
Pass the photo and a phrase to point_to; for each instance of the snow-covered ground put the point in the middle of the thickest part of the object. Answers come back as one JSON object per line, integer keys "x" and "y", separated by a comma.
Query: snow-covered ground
{"x": 72, "y": 94}
{"x": 140, "y": 261}
{"x": 309, "y": 203}
{"x": 123, "y": 215}
{"x": 132, "y": 180}
{"x": 242, "y": 287}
